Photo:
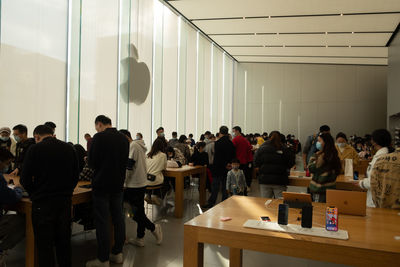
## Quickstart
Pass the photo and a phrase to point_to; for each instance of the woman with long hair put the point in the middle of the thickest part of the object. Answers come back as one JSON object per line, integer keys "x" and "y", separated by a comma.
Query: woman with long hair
{"x": 325, "y": 166}
{"x": 156, "y": 163}
{"x": 274, "y": 161}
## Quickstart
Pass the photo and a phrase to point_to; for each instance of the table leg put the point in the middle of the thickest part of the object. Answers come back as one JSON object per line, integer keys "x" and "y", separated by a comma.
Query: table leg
{"x": 202, "y": 188}
{"x": 193, "y": 252}
{"x": 30, "y": 250}
{"x": 235, "y": 257}
{"x": 179, "y": 196}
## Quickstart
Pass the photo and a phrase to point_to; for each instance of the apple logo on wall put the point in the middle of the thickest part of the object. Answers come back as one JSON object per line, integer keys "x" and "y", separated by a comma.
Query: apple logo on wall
{"x": 137, "y": 86}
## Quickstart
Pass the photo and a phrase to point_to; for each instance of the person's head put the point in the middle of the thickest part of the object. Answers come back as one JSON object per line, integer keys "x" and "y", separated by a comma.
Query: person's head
{"x": 200, "y": 146}
{"x": 170, "y": 152}
{"x": 327, "y": 147}
{"x": 341, "y": 140}
{"x": 265, "y": 136}
{"x": 102, "y": 123}
{"x": 223, "y": 130}
{"x": 202, "y": 137}
{"x": 88, "y": 137}
{"x": 81, "y": 152}
{"x": 381, "y": 138}
{"x": 324, "y": 129}
{"x": 190, "y": 136}
{"x": 182, "y": 139}
{"x": 139, "y": 136}
{"x": 212, "y": 137}
{"x": 207, "y": 134}
{"x": 275, "y": 139}
{"x": 127, "y": 134}
{"x": 51, "y": 125}
{"x": 20, "y": 133}
{"x": 235, "y": 164}
{"x": 217, "y": 135}
{"x": 41, "y": 132}
{"x": 359, "y": 143}
{"x": 236, "y": 131}
{"x": 5, "y": 159}
{"x": 5, "y": 134}
{"x": 157, "y": 147}
{"x": 174, "y": 135}
{"x": 160, "y": 132}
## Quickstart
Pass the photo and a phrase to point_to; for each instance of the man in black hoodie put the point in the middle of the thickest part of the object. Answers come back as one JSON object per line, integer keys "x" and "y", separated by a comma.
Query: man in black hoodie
{"x": 108, "y": 157}
{"x": 50, "y": 174}
{"x": 223, "y": 155}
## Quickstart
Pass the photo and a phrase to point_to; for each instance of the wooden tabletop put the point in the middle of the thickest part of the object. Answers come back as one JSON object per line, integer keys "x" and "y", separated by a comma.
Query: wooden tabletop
{"x": 185, "y": 170}
{"x": 376, "y": 231}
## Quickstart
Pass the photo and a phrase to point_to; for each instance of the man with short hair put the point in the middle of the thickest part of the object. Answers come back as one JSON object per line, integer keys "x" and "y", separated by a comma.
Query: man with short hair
{"x": 160, "y": 132}
{"x": 51, "y": 125}
{"x": 174, "y": 141}
{"x": 50, "y": 175}
{"x": 88, "y": 139}
{"x": 310, "y": 148}
{"x": 20, "y": 133}
{"x": 243, "y": 153}
{"x": 108, "y": 157}
{"x": 224, "y": 153}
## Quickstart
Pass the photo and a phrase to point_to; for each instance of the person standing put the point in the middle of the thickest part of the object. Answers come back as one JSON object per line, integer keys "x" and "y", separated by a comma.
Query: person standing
{"x": 310, "y": 148}
{"x": 50, "y": 174}
{"x": 345, "y": 151}
{"x": 108, "y": 157}
{"x": 224, "y": 153}
{"x": 135, "y": 189}
{"x": 243, "y": 153}
{"x": 88, "y": 139}
{"x": 23, "y": 143}
{"x": 274, "y": 160}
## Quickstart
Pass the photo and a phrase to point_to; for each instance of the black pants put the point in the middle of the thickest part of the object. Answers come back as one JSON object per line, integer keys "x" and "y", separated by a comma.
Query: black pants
{"x": 105, "y": 205}
{"x": 12, "y": 230}
{"x": 135, "y": 197}
{"x": 51, "y": 219}
{"x": 247, "y": 173}
{"x": 218, "y": 183}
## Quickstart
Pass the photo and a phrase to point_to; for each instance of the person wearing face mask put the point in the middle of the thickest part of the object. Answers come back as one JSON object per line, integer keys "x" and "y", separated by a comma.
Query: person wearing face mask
{"x": 139, "y": 136}
{"x": 12, "y": 227}
{"x": 345, "y": 151}
{"x": 50, "y": 175}
{"x": 160, "y": 132}
{"x": 20, "y": 133}
{"x": 6, "y": 141}
{"x": 236, "y": 181}
{"x": 381, "y": 141}
{"x": 310, "y": 148}
{"x": 325, "y": 165}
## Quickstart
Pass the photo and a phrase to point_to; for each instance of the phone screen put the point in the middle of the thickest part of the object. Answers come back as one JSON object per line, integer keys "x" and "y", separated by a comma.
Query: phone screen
{"x": 265, "y": 218}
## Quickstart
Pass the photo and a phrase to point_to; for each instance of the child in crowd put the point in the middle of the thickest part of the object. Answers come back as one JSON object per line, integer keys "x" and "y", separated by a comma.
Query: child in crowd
{"x": 236, "y": 181}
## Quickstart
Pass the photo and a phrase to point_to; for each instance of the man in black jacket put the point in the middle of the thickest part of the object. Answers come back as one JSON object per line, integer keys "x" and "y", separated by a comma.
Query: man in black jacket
{"x": 23, "y": 143}
{"x": 108, "y": 157}
{"x": 223, "y": 155}
{"x": 50, "y": 174}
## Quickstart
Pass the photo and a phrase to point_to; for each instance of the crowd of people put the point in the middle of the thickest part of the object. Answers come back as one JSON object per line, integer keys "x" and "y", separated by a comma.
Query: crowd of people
{"x": 122, "y": 169}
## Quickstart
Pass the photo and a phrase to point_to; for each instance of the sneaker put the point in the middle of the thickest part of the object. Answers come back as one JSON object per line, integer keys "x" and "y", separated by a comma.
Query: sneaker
{"x": 147, "y": 198}
{"x": 117, "y": 258}
{"x": 97, "y": 263}
{"x": 139, "y": 242}
{"x": 156, "y": 200}
{"x": 158, "y": 234}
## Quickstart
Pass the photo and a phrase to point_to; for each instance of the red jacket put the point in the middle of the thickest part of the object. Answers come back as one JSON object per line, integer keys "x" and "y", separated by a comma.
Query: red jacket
{"x": 243, "y": 149}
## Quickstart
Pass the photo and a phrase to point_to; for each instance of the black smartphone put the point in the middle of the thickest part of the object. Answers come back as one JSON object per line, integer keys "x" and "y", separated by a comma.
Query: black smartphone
{"x": 283, "y": 214}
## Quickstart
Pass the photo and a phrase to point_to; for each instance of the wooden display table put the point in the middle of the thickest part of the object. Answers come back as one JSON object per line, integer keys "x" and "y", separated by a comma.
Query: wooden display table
{"x": 179, "y": 174}
{"x": 371, "y": 238}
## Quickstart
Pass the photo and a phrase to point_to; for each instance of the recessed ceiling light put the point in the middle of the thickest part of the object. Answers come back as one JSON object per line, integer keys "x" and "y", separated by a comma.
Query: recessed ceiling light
{"x": 352, "y": 32}
{"x": 326, "y": 46}
{"x": 284, "y": 46}
{"x": 255, "y": 33}
{"x": 349, "y": 46}
{"x": 277, "y": 33}
{"x": 341, "y": 15}
{"x": 244, "y": 17}
{"x": 269, "y": 17}
{"x": 326, "y": 32}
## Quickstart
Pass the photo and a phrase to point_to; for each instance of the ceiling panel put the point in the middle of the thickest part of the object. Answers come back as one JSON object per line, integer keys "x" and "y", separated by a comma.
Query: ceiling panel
{"x": 355, "y": 23}
{"x": 360, "y": 39}
{"x": 315, "y": 60}
{"x": 201, "y": 9}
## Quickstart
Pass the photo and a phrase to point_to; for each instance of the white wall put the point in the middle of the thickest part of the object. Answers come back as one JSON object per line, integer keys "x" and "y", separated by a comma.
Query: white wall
{"x": 33, "y": 63}
{"x": 298, "y": 98}
{"x": 393, "y": 97}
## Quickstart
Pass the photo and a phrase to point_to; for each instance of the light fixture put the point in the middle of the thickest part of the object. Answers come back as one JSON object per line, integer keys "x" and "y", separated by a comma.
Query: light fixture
{"x": 352, "y": 32}
{"x": 277, "y": 33}
{"x": 349, "y": 46}
{"x": 269, "y": 17}
{"x": 326, "y": 46}
{"x": 255, "y": 33}
{"x": 341, "y": 15}
{"x": 284, "y": 46}
{"x": 244, "y": 17}
{"x": 326, "y": 32}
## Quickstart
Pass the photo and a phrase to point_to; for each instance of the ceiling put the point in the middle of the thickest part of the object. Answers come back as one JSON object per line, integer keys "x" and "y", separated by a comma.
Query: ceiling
{"x": 294, "y": 31}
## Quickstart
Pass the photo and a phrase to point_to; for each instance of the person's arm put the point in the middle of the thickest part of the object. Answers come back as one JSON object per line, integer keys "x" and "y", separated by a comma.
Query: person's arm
{"x": 306, "y": 150}
{"x": 28, "y": 172}
{"x": 312, "y": 165}
{"x": 94, "y": 152}
{"x": 8, "y": 195}
{"x": 355, "y": 157}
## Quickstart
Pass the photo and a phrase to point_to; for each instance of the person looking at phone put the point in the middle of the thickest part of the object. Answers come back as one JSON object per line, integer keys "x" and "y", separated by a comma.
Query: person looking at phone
{"x": 345, "y": 151}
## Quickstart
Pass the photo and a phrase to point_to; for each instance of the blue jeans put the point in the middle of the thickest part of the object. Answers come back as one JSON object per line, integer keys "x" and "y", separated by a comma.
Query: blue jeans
{"x": 106, "y": 204}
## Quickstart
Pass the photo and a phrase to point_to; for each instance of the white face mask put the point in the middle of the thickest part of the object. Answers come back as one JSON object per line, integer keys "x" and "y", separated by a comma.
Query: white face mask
{"x": 4, "y": 138}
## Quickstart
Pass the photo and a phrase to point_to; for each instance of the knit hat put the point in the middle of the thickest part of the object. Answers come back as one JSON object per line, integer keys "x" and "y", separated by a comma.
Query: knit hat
{"x": 5, "y": 130}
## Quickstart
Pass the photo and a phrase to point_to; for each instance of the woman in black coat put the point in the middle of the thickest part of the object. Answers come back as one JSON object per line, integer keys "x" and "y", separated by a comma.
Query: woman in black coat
{"x": 274, "y": 161}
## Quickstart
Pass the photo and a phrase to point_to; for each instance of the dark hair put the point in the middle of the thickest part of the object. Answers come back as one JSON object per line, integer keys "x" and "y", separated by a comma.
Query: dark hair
{"x": 170, "y": 149}
{"x": 43, "y": 130}
{"x": 237, "y": 128}
{"x": 223, "y": 130}
{"x": 283, "y": 139}
{"x": 200, "y": 145}
{"x": 174, "y": 134}
{"x": 190, "y": 135}
{"x": 5, "y": 154}
{"x": 158, "y": 146}
{"x": 126, "y": 133}
{"x": 382, "y": 137}
{"x": 211, "y": 136}
{"x": 341, "y": 135}
{"x": 141, "y": 135}
{"x": 207, "y": 133}
{"x": 86, "y": 134}
{"x": 331, "y": 158}
{"x": 50, "y": 124}
{"x": 160, "y": 129}
{"x": 81, "y": 152}
{"x": 235, "y": 160}
{"x": 275, "y": 139}
{"x": 324, "y": 128}
{"x": 103, "y": 119}
{"x": 21, "y": 129}
{"x": 182, "y": 138}
{"x": 217, "y": 135}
